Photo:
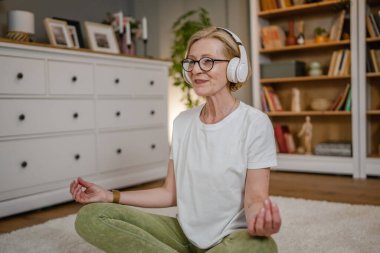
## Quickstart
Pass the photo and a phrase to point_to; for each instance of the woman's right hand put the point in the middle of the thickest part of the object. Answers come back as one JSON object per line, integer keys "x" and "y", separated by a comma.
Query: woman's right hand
{"x": 86, "y": 192}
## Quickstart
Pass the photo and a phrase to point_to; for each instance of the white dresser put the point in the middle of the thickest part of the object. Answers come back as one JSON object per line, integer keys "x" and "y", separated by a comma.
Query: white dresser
{"x": 69, "y": 113}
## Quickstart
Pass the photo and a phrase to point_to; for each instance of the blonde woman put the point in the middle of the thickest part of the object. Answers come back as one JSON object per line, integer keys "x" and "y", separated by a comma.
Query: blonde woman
{"x": 218, "y": 170}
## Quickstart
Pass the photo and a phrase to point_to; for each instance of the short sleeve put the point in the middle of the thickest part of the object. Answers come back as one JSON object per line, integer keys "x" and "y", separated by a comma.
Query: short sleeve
{"x": 261, "y": 145}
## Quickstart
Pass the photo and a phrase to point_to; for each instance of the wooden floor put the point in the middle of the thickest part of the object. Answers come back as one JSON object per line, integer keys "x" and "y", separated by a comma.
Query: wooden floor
{"x": 308, "y": 186}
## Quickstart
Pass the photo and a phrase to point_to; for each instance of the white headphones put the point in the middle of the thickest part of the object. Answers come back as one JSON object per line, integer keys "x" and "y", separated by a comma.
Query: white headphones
{"x": 237, "y": 69}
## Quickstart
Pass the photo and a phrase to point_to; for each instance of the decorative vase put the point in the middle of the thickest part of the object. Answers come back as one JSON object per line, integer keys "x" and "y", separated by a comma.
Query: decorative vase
{"x": 321, "y": 38}
{"x": 291, "y": 38}
{"x": 315, "y": 69}
{"x": 124, "y": 48}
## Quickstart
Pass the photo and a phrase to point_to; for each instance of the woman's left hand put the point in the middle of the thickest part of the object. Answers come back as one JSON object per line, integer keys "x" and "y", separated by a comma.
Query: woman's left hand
{"x": 267, "y": 221}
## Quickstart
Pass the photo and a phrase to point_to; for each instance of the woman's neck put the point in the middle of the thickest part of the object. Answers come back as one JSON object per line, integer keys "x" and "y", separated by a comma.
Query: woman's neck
{"x": 216, "y": 109}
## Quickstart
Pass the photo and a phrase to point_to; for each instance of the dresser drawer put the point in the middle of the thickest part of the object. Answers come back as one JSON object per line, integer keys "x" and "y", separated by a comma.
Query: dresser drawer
{"x": 130, "y": 113}
{"x": 148, "y": 82}
{"x": 113, "y": 80}
{"x": 21, "y": 76}
{"x": 70, "y": 78}
{"x": 132, "y": 148}
{"x": 26, "y": 163}
{"x": 39, "y": 116}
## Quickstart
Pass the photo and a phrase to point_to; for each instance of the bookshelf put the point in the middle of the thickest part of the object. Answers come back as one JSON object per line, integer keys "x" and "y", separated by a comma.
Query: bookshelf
{"x": 328, "y": 125}
{"x": 369, "y": 100}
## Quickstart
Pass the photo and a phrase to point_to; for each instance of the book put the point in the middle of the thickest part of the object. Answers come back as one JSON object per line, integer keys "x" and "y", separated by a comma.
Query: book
{"x": 280, "y": 139}
{"x": 337, "y": 26}
{"x": 340, "y": 105}
{"x": 332, "y": 63}
{"x": 289, "y": 140}
{"x": 347, "y": 107}
{"x": 268, "y": 98}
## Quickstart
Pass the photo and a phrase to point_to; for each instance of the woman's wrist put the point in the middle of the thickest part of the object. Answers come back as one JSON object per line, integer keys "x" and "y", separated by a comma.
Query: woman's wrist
{"x": 109, "y": 197}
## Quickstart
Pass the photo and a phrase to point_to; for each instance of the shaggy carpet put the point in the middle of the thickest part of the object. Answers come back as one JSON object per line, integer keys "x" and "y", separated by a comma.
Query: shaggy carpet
{"x": 308, "y": 226}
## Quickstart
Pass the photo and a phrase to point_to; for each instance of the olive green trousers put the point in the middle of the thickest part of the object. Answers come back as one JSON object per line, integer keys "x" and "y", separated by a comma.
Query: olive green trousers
{"x": 119, "y": 228}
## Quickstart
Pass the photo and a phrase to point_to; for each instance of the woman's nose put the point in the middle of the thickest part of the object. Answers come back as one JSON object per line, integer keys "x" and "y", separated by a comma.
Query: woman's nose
{"x": 197, "y": 68}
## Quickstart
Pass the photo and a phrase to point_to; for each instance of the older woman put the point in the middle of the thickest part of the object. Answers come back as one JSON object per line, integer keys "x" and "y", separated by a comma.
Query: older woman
{"x": 218, "y": 171}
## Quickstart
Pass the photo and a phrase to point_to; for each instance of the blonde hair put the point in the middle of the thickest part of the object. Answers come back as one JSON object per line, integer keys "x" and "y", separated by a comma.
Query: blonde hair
{"x": 230, "y": 47}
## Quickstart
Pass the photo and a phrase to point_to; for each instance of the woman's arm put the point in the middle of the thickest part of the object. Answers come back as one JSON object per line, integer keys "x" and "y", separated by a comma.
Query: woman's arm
{"x": 263, "y": 217}
{"x": 163, "y": 196}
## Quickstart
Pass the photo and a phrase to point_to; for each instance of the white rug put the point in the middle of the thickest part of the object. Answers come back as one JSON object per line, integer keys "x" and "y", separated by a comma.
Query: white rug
{"x": 308, "y": 226}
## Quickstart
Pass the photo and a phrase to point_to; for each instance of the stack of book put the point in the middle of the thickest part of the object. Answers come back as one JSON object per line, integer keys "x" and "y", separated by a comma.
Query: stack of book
{"x": 373, "y": 60}
{"x": 272, "y": 37}
{"x": 340, "y": 63}
{"x": 344, "y": 101}
{"x": 373, "y": 24}
{"x": 266, "y": 5}
{"x": 284, "y": 139}
{"x": 334, "y": 149}
{"x": 270, "y": 102}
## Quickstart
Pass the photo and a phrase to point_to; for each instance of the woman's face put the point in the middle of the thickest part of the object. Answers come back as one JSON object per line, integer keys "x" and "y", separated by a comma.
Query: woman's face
{"x": 214, "y": 81}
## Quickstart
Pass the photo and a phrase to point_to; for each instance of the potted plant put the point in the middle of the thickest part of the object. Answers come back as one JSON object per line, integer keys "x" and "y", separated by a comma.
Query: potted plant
{"x": 185, "y": 26}
{"x": 320, "y": 35}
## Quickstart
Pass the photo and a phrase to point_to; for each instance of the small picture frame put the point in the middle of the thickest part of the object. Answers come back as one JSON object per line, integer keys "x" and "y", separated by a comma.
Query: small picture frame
{"x": 101, "y": 37}
{"x": 75, "y": 31}
{"x": 58, "y": 33}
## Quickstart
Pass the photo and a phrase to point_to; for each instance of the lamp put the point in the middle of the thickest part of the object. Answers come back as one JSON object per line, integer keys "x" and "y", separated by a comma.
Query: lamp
{"x": 20, "y": 25}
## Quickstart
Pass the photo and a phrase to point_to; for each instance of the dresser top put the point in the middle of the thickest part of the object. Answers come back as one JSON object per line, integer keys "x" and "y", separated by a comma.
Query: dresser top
{"x": 4, "y": 42}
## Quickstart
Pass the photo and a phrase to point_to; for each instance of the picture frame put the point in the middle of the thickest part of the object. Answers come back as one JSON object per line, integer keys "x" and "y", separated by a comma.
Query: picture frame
{"x": 58, "y": 33}
{"x": 75, "y": 31}
{"x": 101, "y": 38}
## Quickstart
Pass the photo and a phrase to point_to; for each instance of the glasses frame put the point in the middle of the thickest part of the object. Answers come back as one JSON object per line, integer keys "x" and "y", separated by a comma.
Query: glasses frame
{"x": 199, "y": 64}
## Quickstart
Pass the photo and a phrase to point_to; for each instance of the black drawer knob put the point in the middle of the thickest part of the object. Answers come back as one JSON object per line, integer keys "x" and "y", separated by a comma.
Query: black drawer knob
{"x": 119, "y": 151}
{"x": 77, "y": 157}
{"x": 74, "y": 79}
{"x": 153, "y": 146}
{"x": 152, "y": 112}
{"x": 75, "y": 115}
{"x": 24, "y": 164}
{"x": 151, "y": 82}
{"x": 118, "y": 113}
{"x": 20, "y": 75}
{"x": 117, "y": 80}
{"x": 21, "y": 117}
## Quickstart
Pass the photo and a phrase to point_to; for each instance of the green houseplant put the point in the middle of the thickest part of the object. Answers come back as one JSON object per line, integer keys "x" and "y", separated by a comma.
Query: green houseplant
{"x": 185, "y": 26}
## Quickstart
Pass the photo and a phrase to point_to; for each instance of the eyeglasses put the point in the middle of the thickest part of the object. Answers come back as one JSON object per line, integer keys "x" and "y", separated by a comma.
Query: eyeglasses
{"x": 205, "y": 64}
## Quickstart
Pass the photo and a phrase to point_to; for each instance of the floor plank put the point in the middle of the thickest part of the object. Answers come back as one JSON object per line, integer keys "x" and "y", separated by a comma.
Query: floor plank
{"x": 335, "y": 188}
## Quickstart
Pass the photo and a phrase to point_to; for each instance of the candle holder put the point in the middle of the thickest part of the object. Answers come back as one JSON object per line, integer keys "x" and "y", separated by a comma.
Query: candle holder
{"x": 145, "y": 41}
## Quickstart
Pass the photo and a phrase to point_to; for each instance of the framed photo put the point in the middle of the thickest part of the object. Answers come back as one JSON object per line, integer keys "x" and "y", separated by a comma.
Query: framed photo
{"x": 75, "y": 32}
{"x": 101, "y": 37}
{"x": 58, "y": 33}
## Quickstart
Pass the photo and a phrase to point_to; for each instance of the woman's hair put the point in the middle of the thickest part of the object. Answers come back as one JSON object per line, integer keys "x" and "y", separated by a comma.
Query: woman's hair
{"x": 230, "y": 47}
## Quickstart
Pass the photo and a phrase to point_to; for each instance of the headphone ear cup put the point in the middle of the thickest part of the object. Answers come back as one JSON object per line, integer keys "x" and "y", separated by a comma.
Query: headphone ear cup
{"x": 242, "y": 72}
{"x": 231, "y": 70}
{"x": 186, "y": 77}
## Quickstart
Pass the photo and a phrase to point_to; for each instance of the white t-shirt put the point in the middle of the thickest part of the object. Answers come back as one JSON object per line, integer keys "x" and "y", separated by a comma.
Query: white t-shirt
{"x": 210, "y": 165}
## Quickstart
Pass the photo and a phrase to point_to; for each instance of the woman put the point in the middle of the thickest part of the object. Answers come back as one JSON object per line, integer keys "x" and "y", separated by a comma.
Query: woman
{"x": 218, "y": 171}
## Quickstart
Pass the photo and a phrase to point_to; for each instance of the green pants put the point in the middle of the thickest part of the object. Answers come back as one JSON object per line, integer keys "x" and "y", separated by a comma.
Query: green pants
{"x": 119, "y": 228}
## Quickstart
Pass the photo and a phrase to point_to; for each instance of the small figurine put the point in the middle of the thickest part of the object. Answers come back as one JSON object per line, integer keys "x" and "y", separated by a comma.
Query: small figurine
{"x": 296, "y": 102}
{"x": 307, "y": 133}
{"x": 301, "y": 36}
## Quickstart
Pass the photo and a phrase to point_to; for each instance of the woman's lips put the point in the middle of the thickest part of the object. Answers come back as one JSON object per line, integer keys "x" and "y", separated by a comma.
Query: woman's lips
{"x": 199, "y": 81}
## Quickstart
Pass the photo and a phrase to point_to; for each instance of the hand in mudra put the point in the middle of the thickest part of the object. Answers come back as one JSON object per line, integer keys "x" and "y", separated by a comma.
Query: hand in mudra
{"x": 86, "y": 192}
{"x": 266, "y": 222}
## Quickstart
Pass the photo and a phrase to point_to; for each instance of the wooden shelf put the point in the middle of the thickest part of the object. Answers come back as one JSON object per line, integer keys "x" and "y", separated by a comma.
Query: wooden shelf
{"x": 372, "y": 39}
{"x": 373, "y": 112}
{"x": 303, "y": 79}
{"x": 299, "y": 9}
{"x": 306, "y": 46}
{"x": 309, "y": 113}
{"x": 373, "y": 74}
